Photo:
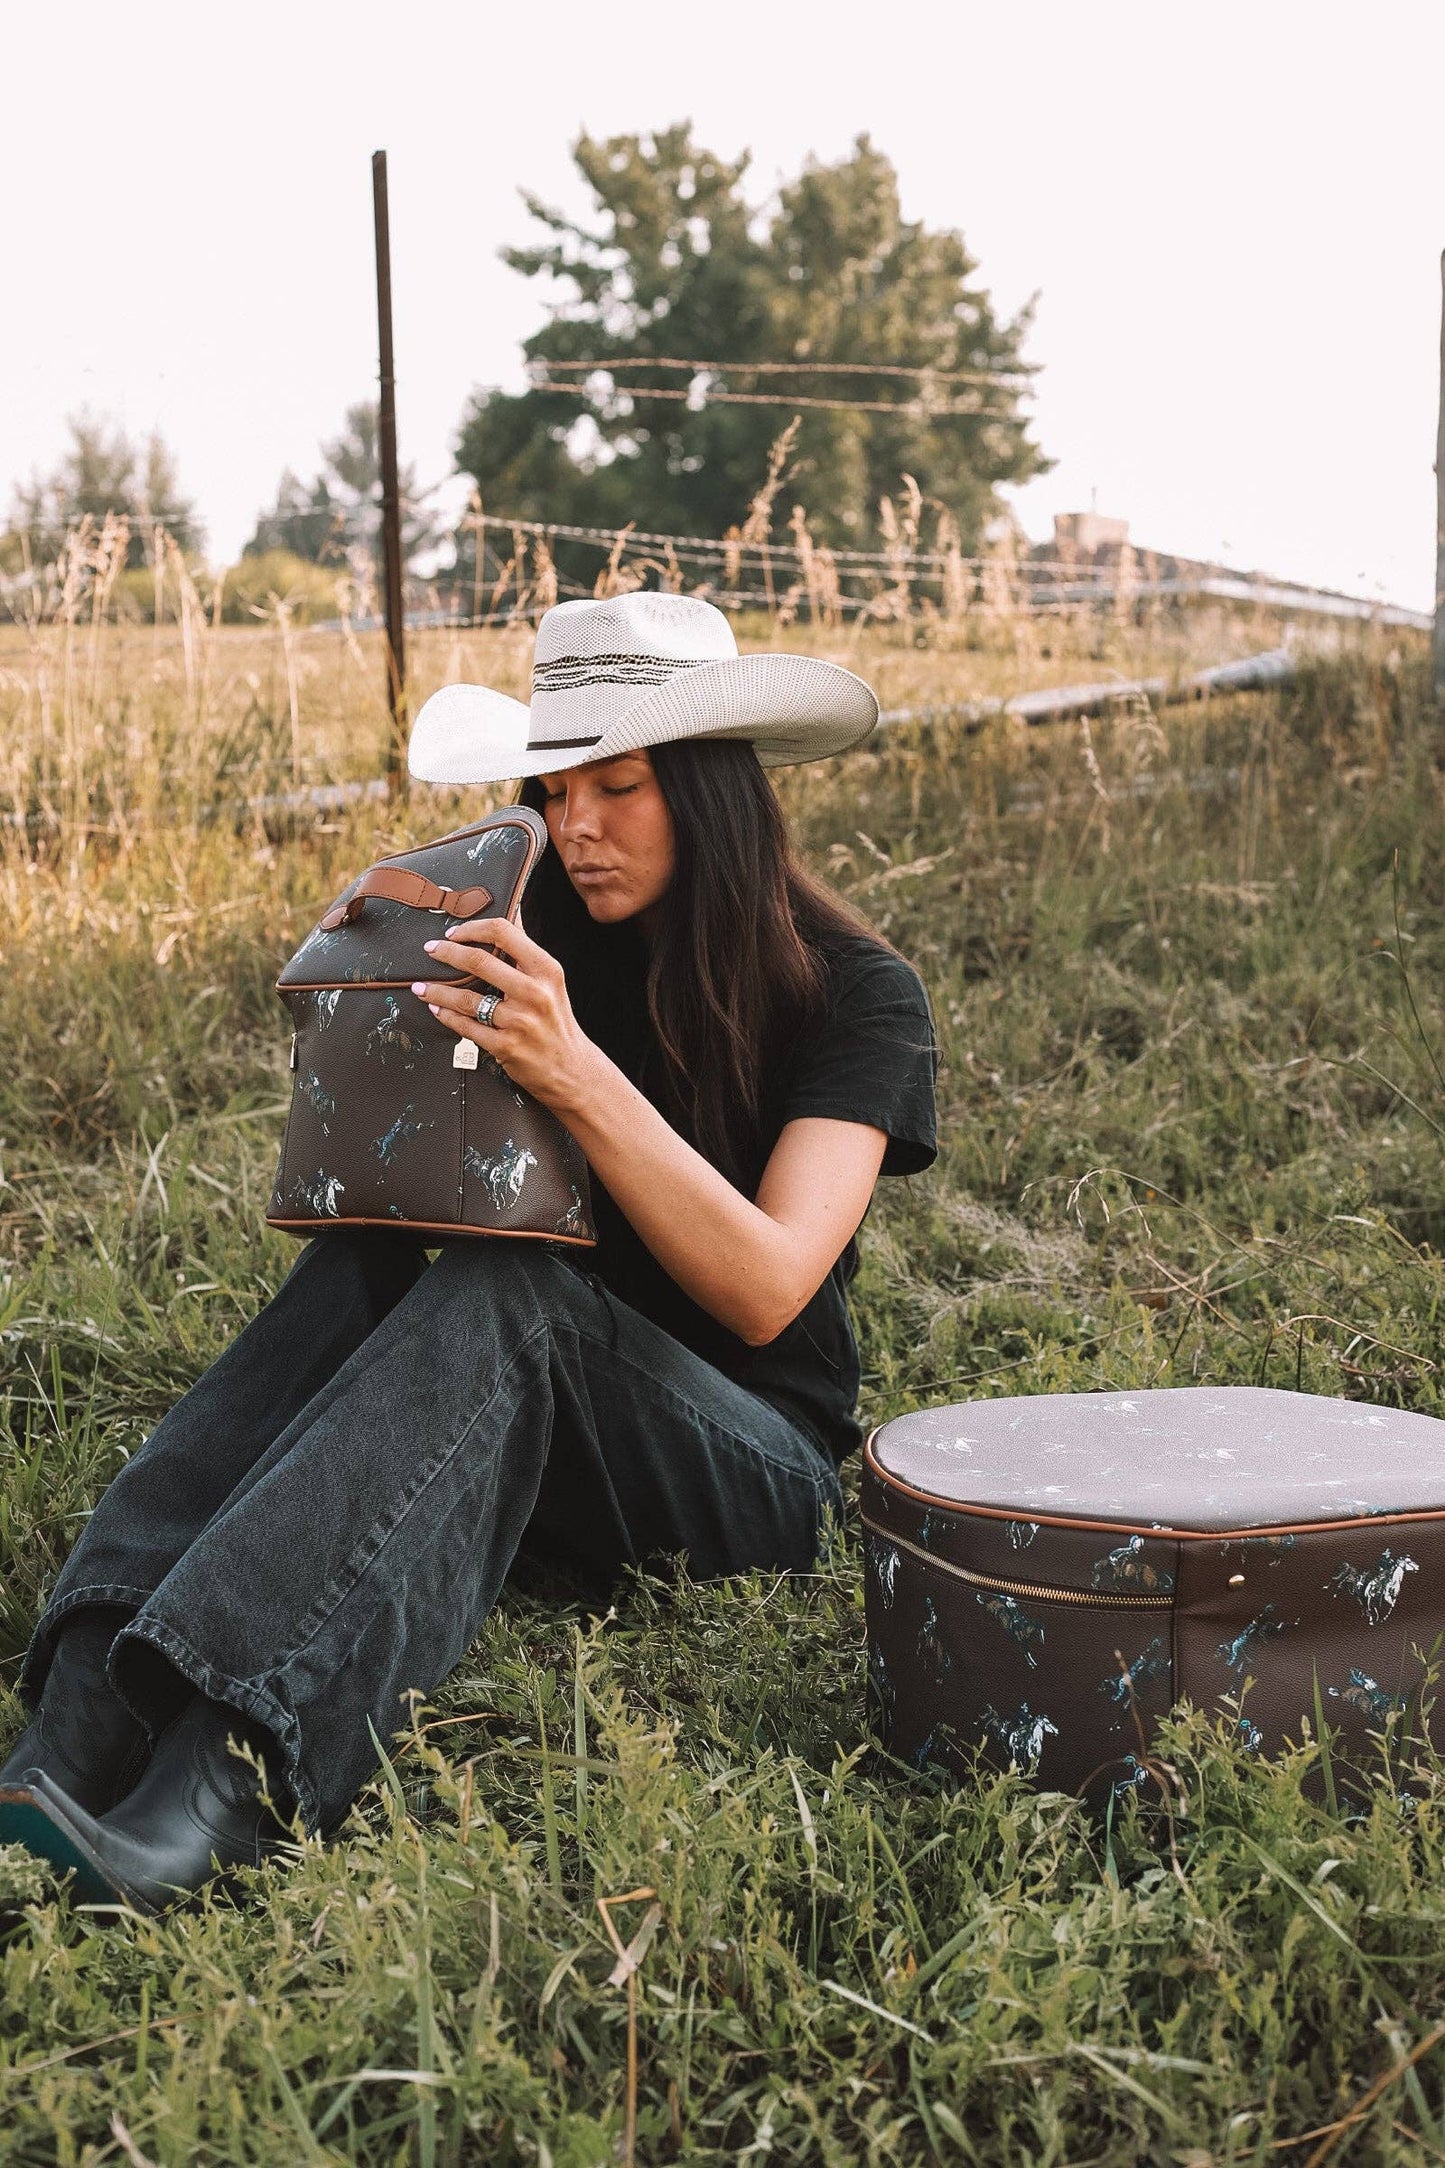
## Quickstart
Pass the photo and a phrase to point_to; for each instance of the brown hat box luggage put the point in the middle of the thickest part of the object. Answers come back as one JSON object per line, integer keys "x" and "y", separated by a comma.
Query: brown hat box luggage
{"x": 396, "y": 1120}
{"x": 1047, "y": 1577}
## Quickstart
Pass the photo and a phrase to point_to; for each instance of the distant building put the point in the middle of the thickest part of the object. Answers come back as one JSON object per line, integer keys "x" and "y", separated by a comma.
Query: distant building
{"x": 1086, "y": 534}
{"x": 1091, "y": 561}
{"x": 1095, "y": 553}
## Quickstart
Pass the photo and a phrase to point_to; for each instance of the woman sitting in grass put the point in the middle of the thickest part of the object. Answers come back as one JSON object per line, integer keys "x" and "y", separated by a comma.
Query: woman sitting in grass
{"x": 320, "y": 1525}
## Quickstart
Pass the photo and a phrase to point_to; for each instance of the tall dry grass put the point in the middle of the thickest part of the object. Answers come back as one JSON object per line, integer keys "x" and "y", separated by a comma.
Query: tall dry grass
{"x": 112, "y": 731}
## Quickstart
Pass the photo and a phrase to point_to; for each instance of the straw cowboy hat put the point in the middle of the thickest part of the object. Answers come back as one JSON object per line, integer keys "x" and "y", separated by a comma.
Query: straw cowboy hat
{"x": 634, "y": 670}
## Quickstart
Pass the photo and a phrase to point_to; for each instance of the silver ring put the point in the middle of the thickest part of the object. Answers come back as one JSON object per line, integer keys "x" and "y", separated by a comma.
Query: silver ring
{"x": 487, "y": 1005}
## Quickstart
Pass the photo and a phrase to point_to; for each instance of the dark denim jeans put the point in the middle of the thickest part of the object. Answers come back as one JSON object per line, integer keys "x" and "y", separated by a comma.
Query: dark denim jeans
{"x": 322, "y": 1522}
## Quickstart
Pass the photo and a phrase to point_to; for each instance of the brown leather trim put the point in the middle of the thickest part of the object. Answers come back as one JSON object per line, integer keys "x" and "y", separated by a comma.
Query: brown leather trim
{"x": 504, "y": 817}
{"x": 1141, "y": 1528}
{"x": 1093, "y": 1599}
{"x": 439, "y": 1227}
{"x": 402, "y": 884}
{"x": 493, "y": 820}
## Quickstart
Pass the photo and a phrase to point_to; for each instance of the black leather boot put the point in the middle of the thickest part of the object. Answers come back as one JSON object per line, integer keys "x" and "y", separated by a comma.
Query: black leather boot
{"x": 196, "y": 1811}
{"x": 82, "y": 1735}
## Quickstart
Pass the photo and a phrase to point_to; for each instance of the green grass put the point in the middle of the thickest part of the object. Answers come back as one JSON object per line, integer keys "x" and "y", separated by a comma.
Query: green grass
{"x": 1191, "y": 1134}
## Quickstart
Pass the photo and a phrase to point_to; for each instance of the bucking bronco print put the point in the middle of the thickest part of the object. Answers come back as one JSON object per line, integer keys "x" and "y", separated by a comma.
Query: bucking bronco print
{"x": 407, "y": 1126}
{"x": 1127, "y": 1567}
{"x": 1027, "y": 1634}
{"x": 883, "y": 1565}
{"x": 504, "y": 1173}
{"x": 574, "y": 1219}
{"x": 1367, "y": 1695}
{"x": 1377, "y": 1589}
{"x": 321, "y": 1102}
{"x": 389, "y": 1036}
{"x": 1021, "y": 1737}
{"x": 1259, "y": 1630}
{"x": 320, "y": 1198}
{"x": 930, "y": 1641}
{"x": 1151, "y": 1663}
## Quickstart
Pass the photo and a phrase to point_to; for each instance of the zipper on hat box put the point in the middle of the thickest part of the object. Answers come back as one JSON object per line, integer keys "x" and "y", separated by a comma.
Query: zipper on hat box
{"x": 1111, "y": 1599}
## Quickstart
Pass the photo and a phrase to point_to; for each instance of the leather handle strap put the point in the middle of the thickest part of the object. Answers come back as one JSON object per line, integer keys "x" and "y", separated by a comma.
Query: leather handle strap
{"x": 395, "y": 884}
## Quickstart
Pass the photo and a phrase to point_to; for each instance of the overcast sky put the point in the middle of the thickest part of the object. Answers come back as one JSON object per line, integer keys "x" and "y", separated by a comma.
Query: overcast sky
{"x": 1232, "y": 214}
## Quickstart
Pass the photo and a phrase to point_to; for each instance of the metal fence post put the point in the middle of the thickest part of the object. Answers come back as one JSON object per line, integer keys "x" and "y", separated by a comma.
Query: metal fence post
{"x": 390, "y": 489}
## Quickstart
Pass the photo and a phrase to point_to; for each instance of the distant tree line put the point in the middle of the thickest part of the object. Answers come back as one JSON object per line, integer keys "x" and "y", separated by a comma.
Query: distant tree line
{"x": 103, "y": 471}
{"x": 335, "y": 518}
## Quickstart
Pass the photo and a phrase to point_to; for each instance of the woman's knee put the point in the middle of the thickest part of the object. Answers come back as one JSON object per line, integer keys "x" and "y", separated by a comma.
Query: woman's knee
{"x": 371, "y": 1264}
{"x": 499, "y": 1271}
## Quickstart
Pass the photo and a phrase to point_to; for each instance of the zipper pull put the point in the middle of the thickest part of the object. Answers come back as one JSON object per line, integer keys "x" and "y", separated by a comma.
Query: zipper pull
{"x": 293, "y": 1050}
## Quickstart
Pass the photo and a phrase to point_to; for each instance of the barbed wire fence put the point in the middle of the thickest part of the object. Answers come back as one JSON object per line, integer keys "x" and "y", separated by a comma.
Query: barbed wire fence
{"x": 507, "y": 570}
{"x": 513, "y": 576}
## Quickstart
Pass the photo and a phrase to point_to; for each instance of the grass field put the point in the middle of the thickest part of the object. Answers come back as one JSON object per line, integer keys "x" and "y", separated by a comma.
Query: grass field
{"x": 1192, "y": 1132}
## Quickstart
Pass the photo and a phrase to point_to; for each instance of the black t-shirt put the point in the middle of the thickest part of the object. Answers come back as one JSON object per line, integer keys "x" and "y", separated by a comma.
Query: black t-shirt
{"x": 873, "y": 1060}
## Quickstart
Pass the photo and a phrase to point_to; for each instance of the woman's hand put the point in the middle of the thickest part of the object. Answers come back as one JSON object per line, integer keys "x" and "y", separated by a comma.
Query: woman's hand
{"x": 751, "y": 1264}
{"x": 532, "y": 1031}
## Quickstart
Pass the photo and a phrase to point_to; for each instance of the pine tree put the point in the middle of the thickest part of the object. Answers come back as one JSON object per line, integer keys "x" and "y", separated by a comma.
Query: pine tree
{"x": 336, "y": 517}
{"x": 104, "y": 471}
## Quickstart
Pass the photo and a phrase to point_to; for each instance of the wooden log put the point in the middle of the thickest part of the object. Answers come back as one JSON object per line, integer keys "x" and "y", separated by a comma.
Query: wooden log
{"x": 1066, "y": 703}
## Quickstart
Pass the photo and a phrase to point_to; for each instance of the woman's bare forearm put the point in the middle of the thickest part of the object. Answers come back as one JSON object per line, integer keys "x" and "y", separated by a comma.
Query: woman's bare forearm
{"x": 733, "y": 1259}
{"x": 729, "y": 1256}
{"x": 750, "y": 1265}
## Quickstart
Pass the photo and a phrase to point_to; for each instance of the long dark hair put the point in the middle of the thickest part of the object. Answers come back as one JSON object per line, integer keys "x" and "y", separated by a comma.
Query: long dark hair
{"x": 736, "y": 970}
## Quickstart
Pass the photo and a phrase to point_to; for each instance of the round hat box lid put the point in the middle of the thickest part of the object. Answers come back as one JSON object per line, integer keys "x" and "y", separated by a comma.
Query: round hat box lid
{"x": 1184, "y": 1460}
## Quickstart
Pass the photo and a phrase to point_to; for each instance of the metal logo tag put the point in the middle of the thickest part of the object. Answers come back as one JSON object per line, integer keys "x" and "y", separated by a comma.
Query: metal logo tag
{"x": 465, "y": 1054}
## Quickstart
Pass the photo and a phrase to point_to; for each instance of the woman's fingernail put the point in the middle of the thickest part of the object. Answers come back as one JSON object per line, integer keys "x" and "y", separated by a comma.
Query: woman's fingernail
{"x": 418, "y": 986}
{"x": 430, "y": 947}
{"x": 434, "y": 1009}
{"x": 451, "y": 930}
